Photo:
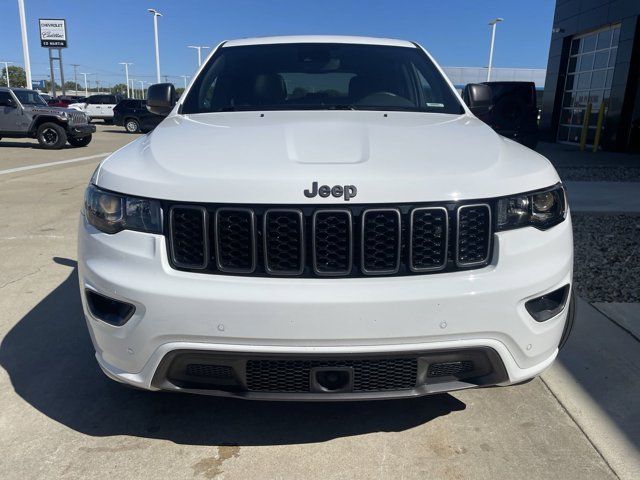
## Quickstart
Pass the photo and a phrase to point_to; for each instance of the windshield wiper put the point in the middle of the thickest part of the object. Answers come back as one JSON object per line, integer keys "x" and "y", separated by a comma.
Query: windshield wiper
{"x": 341, "y": 107}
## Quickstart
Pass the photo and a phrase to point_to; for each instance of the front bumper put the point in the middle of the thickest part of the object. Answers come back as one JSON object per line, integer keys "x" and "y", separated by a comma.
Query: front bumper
{"x": 324, "y": 318}
{"x": 81, "y": 130}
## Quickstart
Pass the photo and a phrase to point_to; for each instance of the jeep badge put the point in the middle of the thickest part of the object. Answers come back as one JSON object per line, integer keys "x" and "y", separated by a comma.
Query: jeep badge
{"x": 348, "y": 191}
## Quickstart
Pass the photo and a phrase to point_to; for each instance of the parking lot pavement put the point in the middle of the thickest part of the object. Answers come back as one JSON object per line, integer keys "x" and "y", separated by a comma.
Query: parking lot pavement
{"x": 596, "y": 378}
{"x": 21, "y": 152}
{"x": 61, "y": 418}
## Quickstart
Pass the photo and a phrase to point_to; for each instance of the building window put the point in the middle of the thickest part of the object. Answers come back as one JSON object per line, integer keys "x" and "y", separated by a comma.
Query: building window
{"x": 589, "y": 76}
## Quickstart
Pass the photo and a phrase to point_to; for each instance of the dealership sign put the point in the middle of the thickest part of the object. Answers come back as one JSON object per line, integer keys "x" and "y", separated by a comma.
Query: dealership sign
{"x": 53, "y": 33}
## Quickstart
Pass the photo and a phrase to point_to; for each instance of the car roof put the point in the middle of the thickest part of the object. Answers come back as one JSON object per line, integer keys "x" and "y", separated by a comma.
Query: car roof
{"x": 318, "y": 39}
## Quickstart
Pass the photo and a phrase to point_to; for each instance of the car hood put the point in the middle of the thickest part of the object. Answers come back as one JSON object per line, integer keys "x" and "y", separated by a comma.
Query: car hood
{"x": 272, "y": 157}
{"x": 35, "y": 109}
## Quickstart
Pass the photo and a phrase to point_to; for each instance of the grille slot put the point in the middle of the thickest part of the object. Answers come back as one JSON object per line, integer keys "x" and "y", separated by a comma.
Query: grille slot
{"x": 381, "y": 232}
{"x": 448, "y": 369}
{"x": 474, "y": 235}
{"x": 332, "y": 238}
{"x": 284, "y": 242}
{"x": 209, "y": 371}
{"x": 368, "y": 375}
{"x": 429, "y": 239}
{"x": 235, "y": 242}
{"x": 188, "y": 237}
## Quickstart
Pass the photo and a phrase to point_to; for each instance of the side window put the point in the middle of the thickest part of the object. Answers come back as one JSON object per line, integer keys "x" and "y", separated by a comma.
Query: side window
{"x": 111, "y": 100}
{"x": 4, "y": 99}
{"x": 94, "y": 100}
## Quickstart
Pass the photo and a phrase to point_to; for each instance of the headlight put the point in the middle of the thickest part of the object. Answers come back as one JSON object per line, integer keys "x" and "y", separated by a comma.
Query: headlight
{"x": 111, "y": 212}
{"x": 542, "y": 209}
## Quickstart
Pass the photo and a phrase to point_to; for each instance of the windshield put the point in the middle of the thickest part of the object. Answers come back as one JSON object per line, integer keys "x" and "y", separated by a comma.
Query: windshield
{"x": 320, "y": 76}
{"x": 29, "y": 97}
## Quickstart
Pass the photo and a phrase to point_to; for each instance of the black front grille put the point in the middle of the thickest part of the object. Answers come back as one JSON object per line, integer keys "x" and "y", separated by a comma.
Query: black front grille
{"x": 321, "y": 242}
{"x": 295, "y": 375}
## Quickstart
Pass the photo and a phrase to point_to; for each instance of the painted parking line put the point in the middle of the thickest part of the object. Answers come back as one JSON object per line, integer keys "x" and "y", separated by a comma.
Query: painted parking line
{"x": 52, "y": 164}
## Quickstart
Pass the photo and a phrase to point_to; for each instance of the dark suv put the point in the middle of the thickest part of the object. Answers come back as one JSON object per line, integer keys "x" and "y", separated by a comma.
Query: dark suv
{"x": 515, "y": 112}
{"x": 134, "y": 116}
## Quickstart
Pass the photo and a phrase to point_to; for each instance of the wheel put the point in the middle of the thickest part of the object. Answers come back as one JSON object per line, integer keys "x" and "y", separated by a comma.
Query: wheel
{"x": 131, "y": 125}
{"x": 80, "y": 141}
{"x": 51, "y": 136}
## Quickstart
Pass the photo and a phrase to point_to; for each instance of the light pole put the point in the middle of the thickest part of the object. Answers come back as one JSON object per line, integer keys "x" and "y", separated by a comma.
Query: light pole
{"x": 86, "y": 88}
{"x": 25, "y": 44}
{"x": 6, "y": 69}
{"x": 75, "y": 77}
{"x": 493, "y": 24}
{"x": 141, "y": 89}
{"x": 156, "y": 14}
{"x": 184, "y": 77}
{"x": 126, "y": 72}
{"x": 199, "y": 48}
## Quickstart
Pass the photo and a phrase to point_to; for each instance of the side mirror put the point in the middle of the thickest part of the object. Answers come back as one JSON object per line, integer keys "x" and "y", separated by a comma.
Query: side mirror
{"x": 478, "y": 97}
{"x": 161, "y": 98}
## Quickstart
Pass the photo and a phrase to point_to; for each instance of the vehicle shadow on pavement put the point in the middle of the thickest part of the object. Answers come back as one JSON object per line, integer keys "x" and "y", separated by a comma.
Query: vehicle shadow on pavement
{"x": 34, "y": 144}
{"x": 121, "y": 130}
{"x": 50, "y": 361}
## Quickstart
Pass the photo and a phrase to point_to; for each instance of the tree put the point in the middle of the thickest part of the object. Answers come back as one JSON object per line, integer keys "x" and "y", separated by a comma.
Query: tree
{"x": 73, "y": 86}
{"x": 17, "y": 77}
{"x": 47, "y": 86}
{"x": 119, "y": 88}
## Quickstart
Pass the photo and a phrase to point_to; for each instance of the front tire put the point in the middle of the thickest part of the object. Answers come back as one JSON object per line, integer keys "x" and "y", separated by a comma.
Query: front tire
{"x": 80, "y": 141}
{"x": 131, "y": 125}
{"x": 51, "y": 136}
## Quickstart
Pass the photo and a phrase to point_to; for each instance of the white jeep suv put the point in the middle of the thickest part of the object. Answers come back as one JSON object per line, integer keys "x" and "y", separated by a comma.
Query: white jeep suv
{"x": 323, "y": 218}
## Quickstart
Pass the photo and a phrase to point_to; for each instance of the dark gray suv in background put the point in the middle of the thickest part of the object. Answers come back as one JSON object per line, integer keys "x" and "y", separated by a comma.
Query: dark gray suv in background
{"x": 25, "y": 114}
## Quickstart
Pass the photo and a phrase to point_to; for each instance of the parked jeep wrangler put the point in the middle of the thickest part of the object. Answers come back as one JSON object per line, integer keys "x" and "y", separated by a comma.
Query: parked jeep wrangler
{"x": 24, "y": 114}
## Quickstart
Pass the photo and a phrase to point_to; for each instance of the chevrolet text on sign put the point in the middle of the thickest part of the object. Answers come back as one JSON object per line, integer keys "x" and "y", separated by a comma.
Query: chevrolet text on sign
{"x": 53, "y": 33}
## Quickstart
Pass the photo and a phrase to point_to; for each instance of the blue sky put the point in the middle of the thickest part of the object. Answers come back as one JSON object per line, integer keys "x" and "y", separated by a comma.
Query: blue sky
{"x": 102, "y": 33}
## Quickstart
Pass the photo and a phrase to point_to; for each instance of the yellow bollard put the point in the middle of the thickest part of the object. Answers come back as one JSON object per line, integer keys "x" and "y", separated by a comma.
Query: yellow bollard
{"x": 596, "y": 140}
{"x": 585, "y": 127}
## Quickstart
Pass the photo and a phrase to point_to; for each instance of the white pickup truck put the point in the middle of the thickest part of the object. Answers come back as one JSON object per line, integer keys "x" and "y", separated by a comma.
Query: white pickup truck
{"x": 323, "y": 218}
{"x": 98, "y": 106}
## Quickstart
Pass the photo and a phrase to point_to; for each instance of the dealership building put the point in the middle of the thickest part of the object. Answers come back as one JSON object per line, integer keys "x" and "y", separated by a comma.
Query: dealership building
{"x": 594, "y": 59}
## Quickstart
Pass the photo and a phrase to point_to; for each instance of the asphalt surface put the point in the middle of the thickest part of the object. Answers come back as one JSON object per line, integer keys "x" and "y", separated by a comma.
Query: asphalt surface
{"x": 60, "y": 418}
